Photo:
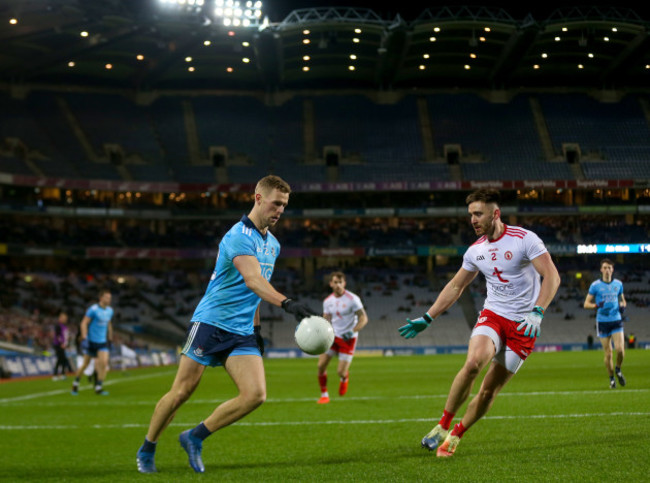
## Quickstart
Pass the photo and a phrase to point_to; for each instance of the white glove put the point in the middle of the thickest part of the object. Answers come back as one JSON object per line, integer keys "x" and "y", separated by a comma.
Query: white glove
{"x": 532, "y": 322}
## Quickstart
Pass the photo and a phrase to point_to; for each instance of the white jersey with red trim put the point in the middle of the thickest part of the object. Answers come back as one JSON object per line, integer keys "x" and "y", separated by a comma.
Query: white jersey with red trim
{"x": 343, "y": 310}
{"x": 513, "y": 284}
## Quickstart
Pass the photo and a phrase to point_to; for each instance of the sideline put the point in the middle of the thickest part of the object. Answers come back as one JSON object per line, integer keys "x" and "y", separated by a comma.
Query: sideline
{"x": 110, "y": 382}
{"x": 327, "y": 422}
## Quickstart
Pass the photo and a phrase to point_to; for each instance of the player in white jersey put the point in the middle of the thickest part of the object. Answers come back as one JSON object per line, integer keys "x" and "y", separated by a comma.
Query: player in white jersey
{"x": 512, "y": 259}
{"x": 347, "y": 315}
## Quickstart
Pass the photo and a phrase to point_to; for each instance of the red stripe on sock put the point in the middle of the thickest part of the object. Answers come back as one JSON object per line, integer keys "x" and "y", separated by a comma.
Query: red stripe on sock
{"x": 446, "y": 419}
{"x": 459, "y": 430}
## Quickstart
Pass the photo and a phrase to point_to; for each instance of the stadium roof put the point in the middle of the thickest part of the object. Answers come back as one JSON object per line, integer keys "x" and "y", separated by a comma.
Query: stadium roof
{"x": 148, "y": 45}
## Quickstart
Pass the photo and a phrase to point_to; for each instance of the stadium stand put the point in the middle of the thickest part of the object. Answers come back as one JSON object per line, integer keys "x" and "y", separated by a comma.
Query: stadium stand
{"x": 166, "y": 119}
{"x": 379, "y": 142}
{"x": 46, "y": 231}
{"x": 19, "y": 122}
{"x": 13, "y": 165}
{"x": 111, "y": 118}
{"x": 170, "y": 140}
{"x": 617, "y": 128}
{"x": 242, "y": 124}
{"x": 381, "y": 136}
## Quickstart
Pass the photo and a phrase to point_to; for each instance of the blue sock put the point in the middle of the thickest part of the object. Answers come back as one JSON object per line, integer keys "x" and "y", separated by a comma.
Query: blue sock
{"x": 148, "y": 446}
{"x": 200, "y": 432}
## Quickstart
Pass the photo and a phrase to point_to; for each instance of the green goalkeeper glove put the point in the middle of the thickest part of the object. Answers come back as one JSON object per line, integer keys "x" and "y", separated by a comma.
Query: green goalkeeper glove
{"x": 414, "y": 327}
{"x": 532, "y": 323}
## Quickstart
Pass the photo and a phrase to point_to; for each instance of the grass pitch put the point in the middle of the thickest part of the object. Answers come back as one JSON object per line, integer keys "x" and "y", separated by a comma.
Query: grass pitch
{"x": 557, "y": 420}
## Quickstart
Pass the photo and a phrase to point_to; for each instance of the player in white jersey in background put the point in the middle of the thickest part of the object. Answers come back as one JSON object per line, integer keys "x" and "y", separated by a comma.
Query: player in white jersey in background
{"x": 225, "y": 328}
{"x": 512, "y": 259}
{"x": 347, "y": 315}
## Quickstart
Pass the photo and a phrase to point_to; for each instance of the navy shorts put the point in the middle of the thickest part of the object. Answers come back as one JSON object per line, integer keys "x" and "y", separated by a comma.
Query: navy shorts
{"x": 95, "y": 347}
{"x": 211, "y": 346}
{"x": 605, "y": 329}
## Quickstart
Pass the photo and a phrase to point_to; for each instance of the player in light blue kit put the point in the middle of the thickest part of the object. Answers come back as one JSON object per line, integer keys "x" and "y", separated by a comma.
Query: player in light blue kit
{"x": 225, "y": 327}
{"x": 96, "y": 335}
{"x": 606, "y": 295}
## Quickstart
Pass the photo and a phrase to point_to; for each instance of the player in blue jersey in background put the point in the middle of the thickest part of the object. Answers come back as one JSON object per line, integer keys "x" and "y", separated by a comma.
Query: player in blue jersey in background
{"x": 225, "y": 327}
{"x": 606, "y": 295}
{"x": 96, "y": 335}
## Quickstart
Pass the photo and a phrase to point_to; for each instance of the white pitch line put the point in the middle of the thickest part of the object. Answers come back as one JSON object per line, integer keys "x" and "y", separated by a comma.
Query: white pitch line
{"x": 116, "y": 402}
{"x": 56, "y": 392}
{"x": 327, "y": 422}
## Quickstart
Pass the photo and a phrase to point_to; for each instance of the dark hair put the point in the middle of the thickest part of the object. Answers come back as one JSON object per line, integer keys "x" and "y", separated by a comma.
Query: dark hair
{"x": 340, "y": 275}
{"x": 607, "y": 261}
{"x": 486, "y": 195}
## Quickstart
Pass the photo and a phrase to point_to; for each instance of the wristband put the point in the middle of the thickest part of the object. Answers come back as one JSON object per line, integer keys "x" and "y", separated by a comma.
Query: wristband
{"x": 427, "y": 318}
{"x": 539, "y": 310}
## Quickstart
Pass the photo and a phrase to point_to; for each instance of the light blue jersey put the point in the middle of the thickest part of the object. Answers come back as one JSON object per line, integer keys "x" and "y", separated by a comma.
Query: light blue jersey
{"x": 227, "y": 302}
{"x": 608, "y": 294}
{"x": 99, "y": 319}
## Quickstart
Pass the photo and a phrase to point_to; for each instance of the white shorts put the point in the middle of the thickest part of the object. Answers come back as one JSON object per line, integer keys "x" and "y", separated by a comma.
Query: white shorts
{"x": 504, "y": 355}
{"x": 88, "y": 371}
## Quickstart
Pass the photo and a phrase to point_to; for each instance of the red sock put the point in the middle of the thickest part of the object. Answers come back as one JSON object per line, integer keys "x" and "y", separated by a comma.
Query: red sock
{"x": 459, "y": 430}
{"x": 322, "y": 380}
{"x": 446, "y": 419}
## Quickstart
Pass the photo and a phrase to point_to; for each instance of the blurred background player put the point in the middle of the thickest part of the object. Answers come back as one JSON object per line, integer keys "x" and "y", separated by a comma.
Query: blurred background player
{"x": 89, "y": 371}
{"x": 512, "y": 259}
{"x": 606, "y": 295}
{"x": 347, "y": 315}
{"x": 96, "y": 334}
{"x": 60, "y": 344}
{"x": 225, "y": 328}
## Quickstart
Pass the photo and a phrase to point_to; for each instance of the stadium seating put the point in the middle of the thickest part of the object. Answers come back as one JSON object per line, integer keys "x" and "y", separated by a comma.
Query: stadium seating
{"x": 112, "y": 118}
{"x": 500, "y": 132}
{"x": 625, "y": 168}
{"x": 13, "y": 165}
{"x": 380, "y": 135}
{"x": 616, "y": 130}
{"x": 379, "y": 142}
{"x": 242, "y": 124}
{"x": 166, "y": 117}
{"x": 162, "y": 303}
{"x": 19, "y": 121}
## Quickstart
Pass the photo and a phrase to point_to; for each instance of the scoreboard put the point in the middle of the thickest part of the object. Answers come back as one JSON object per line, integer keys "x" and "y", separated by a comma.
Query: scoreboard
{"x": 613, "y": 248}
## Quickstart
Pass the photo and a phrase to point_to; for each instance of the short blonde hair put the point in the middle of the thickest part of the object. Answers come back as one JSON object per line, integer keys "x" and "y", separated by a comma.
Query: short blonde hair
{"x": 271, "y": 182}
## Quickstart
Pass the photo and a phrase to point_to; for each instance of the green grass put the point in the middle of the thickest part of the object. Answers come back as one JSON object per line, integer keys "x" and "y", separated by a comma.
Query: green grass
{"x": 555, "y": 421}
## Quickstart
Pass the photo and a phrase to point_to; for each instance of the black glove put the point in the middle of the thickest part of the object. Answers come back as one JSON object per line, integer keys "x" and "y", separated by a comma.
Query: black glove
{"x": 258, "y": 338}
{"x": 299, "y": 311}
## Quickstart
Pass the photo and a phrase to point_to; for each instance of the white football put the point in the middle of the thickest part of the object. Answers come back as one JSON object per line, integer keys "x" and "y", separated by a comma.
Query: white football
{"x": 314, "y": 335}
